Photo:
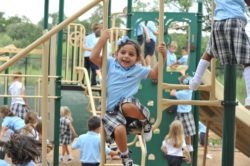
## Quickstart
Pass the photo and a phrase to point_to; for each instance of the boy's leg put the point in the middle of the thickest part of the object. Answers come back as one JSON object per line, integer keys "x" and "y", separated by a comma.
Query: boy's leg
{"x": 132, "y": 111}
{"x": 188, "y": 142}
{"x": 148, "y": 60}
{"x": 246, "y": 74}
{"x": 93, "y": 73}
{"x": 121, "y": 138}
{"x": 121, "y": 141}
{"x": 201, "y": 68}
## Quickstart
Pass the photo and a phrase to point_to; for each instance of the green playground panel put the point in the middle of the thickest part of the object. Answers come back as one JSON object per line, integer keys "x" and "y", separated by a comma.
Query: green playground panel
{"x": 78, "y": 104}
{"x": 148, "y": 90}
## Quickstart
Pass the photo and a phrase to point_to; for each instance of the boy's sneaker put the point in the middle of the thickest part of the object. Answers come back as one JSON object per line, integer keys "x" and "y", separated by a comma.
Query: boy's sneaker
{"x": 126, "y": 160}
{"x": 61, "y": 158}
{"x": 190, "y": 148}
{"x": 247, "y": 102}
{"x": 194, "y": 84}
{"x": 70, "y": 158}
{"x": 147, "y": 132}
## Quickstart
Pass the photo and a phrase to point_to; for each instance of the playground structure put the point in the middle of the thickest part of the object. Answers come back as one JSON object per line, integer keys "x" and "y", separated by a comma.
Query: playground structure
{"x": 75, "y": 73}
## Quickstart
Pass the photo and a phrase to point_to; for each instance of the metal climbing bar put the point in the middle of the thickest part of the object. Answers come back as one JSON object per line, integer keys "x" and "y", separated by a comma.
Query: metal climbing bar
{"x": 103, "y": 87}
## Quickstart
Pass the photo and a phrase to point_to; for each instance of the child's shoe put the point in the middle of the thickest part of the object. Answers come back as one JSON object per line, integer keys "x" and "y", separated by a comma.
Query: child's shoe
{"x": 70, "y": 158}
{"x": 209, "y": 156}
{"x": 190, "y": 148}
{"x": 247, "y": 103}
{"x": 194, "y": 84}
{"x": 61, "y": 158}
{"x": 147, "y": 132}
{"x": 126, "y": 160}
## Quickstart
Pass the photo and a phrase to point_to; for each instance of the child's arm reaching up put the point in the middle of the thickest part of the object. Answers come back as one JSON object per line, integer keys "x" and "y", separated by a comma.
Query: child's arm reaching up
{"x": 153, "y": 74}
{"x": 95, "y": 56}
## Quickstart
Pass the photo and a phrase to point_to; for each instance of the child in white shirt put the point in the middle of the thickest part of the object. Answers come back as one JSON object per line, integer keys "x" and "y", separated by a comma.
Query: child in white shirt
{"x": 19, "y": 105}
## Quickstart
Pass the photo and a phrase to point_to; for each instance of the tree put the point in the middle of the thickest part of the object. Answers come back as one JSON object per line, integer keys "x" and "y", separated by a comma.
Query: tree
{"x": 23, "y": 33}
{"x": 2, "y": 22}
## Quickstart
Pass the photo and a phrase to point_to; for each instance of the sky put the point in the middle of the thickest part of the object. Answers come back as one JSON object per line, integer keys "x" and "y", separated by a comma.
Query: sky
{"x": 34, "y": 9}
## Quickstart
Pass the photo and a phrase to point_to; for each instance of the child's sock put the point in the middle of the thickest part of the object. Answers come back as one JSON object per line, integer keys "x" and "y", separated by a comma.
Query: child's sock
{"x": 61, "y": 158}
{"x": 190, "y": 148}
{"x": 247, "y": 80}
{"x": 70, "y": 157}
{"x": 201, "y": 68}
{"x": 124, "y": 153}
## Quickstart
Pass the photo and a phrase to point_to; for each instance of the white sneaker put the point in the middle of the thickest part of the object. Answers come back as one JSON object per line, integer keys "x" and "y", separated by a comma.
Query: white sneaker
{"x": 70, "y": 158}
{"x": 247, "y": 102}
{"x": 147, "y": 132}
{"x": 194, "y": 84}
{"x": 190, "y": 148}
{"x": 61, "y": 158}
{"x": 209, "y": 156}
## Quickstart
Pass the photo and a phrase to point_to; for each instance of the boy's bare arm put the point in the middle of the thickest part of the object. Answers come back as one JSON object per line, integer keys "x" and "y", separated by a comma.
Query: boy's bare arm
{"x": 95, "y": 56}
{"x": 86, "y": 48}
{"x": 146, "y": 34}
{"x": 247, "y": 2}
{"x": 173, "y": 92}
{"x": 154, "y": 72}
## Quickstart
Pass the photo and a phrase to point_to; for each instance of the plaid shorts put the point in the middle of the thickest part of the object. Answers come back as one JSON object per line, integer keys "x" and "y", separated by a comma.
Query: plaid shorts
{"x": 229, "y": 42}
{"x": 19, "y": 110}
{"x": 187, "y": 120}
{"x": 114, "y": 118}
{"x": 66, "y": 135}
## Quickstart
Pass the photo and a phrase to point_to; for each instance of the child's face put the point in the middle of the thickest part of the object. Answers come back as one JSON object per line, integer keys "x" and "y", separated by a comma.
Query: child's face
{"x": 172, "y": 49}
{"x": 127, "y": 56}
{"x": 184, "y": 52}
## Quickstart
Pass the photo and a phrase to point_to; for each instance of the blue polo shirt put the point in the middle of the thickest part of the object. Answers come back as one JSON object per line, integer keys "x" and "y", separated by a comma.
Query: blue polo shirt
{"x": 4, "y": 163}
{"x": 139, "y": 29}
{"x": 183, "y": 60}
{"x": 151, "y": 29}
{"x": 122, "y": 82}
{"x": 184, "y": 95}
{"x": 226, "y": 9}
{"x": 202, "y": 127}
{"x": 13, "y": 122}
{"x": 171, "y": 58}
{"x": 89, "y": 145}
{"x": 90, "y": 41}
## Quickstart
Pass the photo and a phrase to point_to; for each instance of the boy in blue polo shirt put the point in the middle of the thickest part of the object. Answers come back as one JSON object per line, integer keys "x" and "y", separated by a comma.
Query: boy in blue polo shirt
{"x": 90, "y": 144}
{"x": 150, "y": 45}
{"x": 184, "y": 113}
{"x": 228, "y": 41}
{"x": 124, "y": 75}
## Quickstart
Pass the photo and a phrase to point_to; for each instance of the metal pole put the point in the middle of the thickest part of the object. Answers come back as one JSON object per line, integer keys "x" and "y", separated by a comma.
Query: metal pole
{"x": 5, "y": 99}
{"x": 46, "y": 14}
{"x": 196, "y": 94}
{"x": 109, "y": 14}
{"x": 229, "y": 115}
{"x": 58, "y": 84}
{"x": 129, "y": 15}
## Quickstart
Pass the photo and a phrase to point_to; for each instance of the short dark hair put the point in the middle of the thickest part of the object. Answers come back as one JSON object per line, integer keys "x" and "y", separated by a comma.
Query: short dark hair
{"x": 93, "y": 123}
{"x": 185, "y": 48}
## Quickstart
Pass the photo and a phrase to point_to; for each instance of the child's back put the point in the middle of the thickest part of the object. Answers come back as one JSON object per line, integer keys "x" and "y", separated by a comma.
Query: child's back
{"x": 89, "y": 143}
{"x": 19, "y": 105}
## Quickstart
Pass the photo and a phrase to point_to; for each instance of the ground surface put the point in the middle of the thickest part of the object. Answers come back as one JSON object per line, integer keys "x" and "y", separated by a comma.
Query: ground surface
{"x": 240, "y": 159}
